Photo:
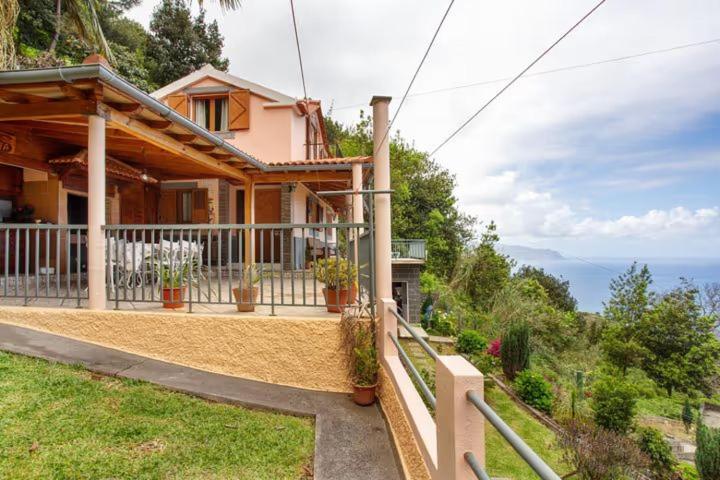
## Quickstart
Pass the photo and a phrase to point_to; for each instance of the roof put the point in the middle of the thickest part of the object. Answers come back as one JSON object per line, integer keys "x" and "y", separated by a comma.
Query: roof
{"x": 210, "y": 71}
{"x": 112, "y": 166}
{"x": 323, "y": 161}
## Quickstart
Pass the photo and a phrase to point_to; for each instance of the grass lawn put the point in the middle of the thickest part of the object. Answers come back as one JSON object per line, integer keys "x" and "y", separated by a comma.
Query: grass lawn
{"x": 58, "y": 422}
{"x": 502, "y": 460}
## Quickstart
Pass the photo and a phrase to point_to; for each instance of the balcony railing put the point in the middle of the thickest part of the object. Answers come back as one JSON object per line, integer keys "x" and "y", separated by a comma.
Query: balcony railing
{"x": 408, "y": 249}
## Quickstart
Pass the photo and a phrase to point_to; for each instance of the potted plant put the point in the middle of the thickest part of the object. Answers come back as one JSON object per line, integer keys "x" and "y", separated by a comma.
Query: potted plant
{"x": 361, "y": 356}
{"x": 340, "y": 279}
{"x": 174, "y": 284}
{"x": 247, "y": 296}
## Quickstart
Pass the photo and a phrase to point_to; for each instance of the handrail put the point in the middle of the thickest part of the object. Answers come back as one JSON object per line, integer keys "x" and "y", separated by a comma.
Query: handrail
{"x": 475, "y": 466}
{"x": 527, "y": 454}
{"x": 433, "y": 354}
{"x": 406, "y": 360}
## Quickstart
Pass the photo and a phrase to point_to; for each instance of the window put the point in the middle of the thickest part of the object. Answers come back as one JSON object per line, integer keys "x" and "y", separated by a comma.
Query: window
{"x": 211, "y": 113}
{"x": 186, "y": 207}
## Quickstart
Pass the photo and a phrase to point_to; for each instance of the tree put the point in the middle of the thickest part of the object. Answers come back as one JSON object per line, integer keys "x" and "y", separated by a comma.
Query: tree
{"x": 613, "y": 404}
{"x": 515, "y": 349}
{"x": 423, "y": 202}
{"x": 482, "y": 272}
{"x": 629, "y": 296}
{"x": 682, "y": 350}
{"x": 710, "y": 302}
{"x": 558, "y": 289}
{"x": 600, "y": 454}
{"x": 180, "y": 44}
{"x": 687, "y": 415}
{"x": 707, "y": 455}
{"x": 619, "y": 350}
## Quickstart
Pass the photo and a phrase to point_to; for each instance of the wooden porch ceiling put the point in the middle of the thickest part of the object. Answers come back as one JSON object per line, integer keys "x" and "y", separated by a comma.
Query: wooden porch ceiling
{"x": 50, "y": 119}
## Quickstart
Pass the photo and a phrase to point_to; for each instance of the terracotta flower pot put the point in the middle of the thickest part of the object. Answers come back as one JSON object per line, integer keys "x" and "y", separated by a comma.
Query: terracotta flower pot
{"x": 364, "y": 396}
{"x": 335, "y": 300}
{"x": 173, "y": 297}
{"x": 245, "y": 299}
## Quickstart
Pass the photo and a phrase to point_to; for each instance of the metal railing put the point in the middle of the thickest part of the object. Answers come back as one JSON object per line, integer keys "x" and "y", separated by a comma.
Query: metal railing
{"x": 408, "y": 249}
{"x": 208, "y": 264}
{"x": 525, "y": 452}
{"x": 43, "y": 261}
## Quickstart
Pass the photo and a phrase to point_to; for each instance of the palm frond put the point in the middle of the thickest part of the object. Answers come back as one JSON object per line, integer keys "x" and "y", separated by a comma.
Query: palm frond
{"x": 84, "y": 16}
{"x": 9, "y": 10}
{"x": 225, "y": 4}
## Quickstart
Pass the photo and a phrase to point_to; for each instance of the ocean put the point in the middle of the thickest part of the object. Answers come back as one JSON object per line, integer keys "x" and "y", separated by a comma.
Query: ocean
{"x": 590, "y": 278}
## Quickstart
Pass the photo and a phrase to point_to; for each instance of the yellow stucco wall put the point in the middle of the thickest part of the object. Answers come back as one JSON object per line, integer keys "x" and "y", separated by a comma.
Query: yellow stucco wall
{"x": 412, "y": 461}
{"x": 301, "y": 352}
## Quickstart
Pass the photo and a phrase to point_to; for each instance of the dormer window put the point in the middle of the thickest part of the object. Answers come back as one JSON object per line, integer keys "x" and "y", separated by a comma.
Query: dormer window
{"x": 211, "y": 112}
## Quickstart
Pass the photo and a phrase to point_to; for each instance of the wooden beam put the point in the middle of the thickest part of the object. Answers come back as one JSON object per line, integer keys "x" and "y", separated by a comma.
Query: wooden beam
{"x": 158, "y": 124}
{"x": 203, "y": 148}
{"x": 19, "y": 97}
{"x": 221, "y": 156}
{"x": 163, "y": 141}
{"x": 72, "y": 92}
{"x": 34, "y": 111}
{"x": 132, "y": 109}
{"x": 182, "y": 137}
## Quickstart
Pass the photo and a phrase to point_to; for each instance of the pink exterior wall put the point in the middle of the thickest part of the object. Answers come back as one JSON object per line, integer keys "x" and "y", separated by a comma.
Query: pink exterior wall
{"x": 276, "y": 133}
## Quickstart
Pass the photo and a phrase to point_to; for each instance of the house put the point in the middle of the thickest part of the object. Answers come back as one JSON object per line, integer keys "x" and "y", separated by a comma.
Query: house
{"x": 229, "y": 152}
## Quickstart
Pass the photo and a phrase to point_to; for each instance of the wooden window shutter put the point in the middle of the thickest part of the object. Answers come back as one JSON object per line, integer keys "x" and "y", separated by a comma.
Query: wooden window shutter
{"x": 179, "y": 103}
{"x": 168, "y": 207}
{"x": 239, "y": 110}
{"x": 200, "y": 212}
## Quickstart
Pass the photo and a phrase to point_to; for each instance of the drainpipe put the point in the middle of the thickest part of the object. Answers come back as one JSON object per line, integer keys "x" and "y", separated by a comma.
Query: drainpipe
{"x": 383, "y": 226}
{"x": 96, "y": 213}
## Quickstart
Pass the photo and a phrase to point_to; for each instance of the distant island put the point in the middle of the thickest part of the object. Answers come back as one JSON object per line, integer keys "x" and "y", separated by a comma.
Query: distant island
{"x": 519, "y": 252}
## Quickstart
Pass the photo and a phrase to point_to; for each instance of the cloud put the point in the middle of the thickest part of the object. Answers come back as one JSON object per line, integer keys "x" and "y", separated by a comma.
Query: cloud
{"x": 519, "y": 209}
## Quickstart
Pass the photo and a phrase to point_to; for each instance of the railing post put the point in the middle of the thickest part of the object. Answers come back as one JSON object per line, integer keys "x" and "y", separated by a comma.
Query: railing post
{"x": 96, "y": 214}
{"x": 387, "y": 323}
{"x": 460, "y": 428}
{"x": 383, "y": 224}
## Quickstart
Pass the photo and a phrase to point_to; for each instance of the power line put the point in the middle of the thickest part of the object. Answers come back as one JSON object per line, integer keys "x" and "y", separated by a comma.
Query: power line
{"x": 297, "y": 43}
{"x": 417, "y": 71}
{"x": 502, "y": 90}
{"x": 554, "y": 70}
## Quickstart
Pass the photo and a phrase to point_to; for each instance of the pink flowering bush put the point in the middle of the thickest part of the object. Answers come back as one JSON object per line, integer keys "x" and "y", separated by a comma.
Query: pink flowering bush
{"x": 494, "y": 348}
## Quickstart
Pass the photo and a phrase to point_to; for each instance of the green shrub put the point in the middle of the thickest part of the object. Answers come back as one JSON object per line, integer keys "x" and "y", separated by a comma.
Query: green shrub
{"x": 687, "y": 471}
{"x": 442, "y": 324}
{"x": 470, "y": 342}
{"x": 534, "y": 390}
{"x": 614, "y": 404}
{"x": 485, "y": 363}
{"x": 707, "y": 455}
{"x": 687, "y": 415}
{"x": 515, "y": 349}
{"x": 654, "y": 445}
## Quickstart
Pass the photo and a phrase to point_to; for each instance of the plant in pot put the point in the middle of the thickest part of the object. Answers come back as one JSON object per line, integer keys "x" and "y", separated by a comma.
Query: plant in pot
{"x": 361, "y": 356}
{"x": 340, "y": 279}
{"x": 174, "y": 283}
{"x": 247, "y": 295}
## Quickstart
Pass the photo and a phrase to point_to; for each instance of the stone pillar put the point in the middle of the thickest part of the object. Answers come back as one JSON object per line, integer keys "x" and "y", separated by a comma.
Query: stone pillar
{"x": 383, "y": 226}
{"x": 96, "y": 213}
{"x": 460, "y": 426}
{"x": 386, "y": 323}
{"x": 357, "y": 200}
{"x": 249, "y": 220}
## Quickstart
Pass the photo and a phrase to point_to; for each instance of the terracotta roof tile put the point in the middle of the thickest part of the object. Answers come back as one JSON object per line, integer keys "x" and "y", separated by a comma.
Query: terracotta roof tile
{"x": 323, "y": 161}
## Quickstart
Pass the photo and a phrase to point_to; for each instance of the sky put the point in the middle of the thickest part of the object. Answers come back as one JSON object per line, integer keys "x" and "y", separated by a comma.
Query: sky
{"x": 620, "y": 159}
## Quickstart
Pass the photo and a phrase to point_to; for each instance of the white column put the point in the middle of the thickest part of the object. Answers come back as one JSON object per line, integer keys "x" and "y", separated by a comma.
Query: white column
{"x": 383, "y": 233}
{"x": 357, "y": 185}
{"x": 96, "y": 212}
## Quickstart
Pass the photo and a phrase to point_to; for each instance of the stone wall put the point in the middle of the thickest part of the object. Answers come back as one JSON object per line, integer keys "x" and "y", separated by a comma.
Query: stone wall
{"x": 410, "y": 274}
{"x": 300, "y": 352}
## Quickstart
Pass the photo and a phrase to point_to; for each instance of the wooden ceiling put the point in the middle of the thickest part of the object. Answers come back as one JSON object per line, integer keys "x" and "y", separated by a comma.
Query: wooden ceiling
{"x": 50, "y": 119}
